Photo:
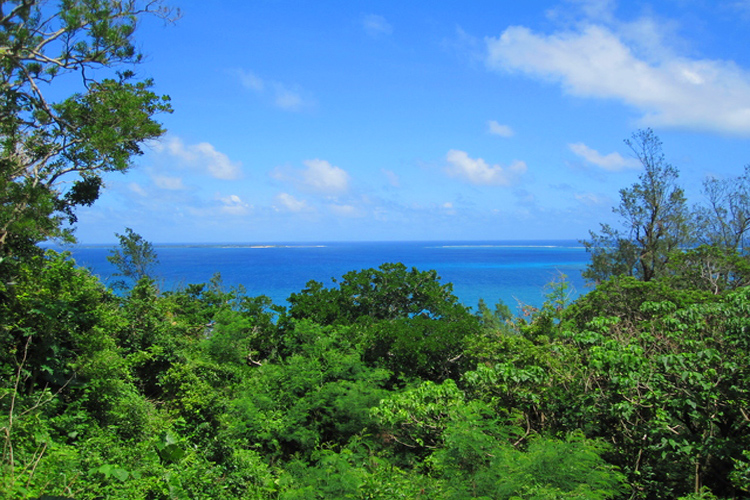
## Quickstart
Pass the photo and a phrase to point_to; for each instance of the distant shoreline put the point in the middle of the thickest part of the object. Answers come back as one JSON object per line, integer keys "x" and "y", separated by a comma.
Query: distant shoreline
{"x": 467, "y": 244}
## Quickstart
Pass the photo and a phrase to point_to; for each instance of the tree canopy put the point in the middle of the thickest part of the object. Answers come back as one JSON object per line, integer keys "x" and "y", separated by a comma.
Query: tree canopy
{"x": 53, "y": 152}
{"x": 654, "y": 218}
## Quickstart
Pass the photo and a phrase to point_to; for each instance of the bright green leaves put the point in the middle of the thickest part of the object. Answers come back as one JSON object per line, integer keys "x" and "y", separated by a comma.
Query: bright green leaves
{"x": 667, "y": 380}
{"x": 654, "y": 216}
{"x": 135, "y": 258}
{"x": 407, "y": 321}
{"x": 169, "y": 448}
{"x": 54, "y": 311}
{"x": 416, "y": 418}
{"x": 420, "y": 347}
{"x": 474, "y": 452}
{"x": 389, "y": 292}
{"x": 46, "y": 146}
{"x": 320, "y": 392}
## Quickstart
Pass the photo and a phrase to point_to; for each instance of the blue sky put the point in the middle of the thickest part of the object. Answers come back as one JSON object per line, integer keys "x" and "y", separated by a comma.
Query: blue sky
{"x": 441, "y": 120}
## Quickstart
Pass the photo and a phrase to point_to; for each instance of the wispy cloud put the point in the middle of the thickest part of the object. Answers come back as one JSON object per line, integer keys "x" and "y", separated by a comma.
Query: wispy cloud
{"x": 289, "y": 203}
{"x": 344, "y": 210}
{"x": 282, "y": 95}
{"x": 591, "y": 199}
{"x": 632, "y": 63}
{"x": 202, "y": 156}
{"x": 613, "y": 162}
{"x": 137, "y": 189}
{"x": 743, "y": 6}
{"x": 496, "y": 128}
{"x": 167, "y": 182}
{"x": 479, "y": 172}
{"x": 392, "y": 178}
{"x": 375, "y": 25}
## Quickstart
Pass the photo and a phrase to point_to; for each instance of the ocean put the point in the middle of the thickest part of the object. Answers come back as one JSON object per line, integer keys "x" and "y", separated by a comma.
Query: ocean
{"x": 516, "y": 272}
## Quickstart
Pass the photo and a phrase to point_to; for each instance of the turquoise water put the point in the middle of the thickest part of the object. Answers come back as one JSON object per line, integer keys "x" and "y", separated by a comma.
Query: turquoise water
{"x": 516, "y": 272}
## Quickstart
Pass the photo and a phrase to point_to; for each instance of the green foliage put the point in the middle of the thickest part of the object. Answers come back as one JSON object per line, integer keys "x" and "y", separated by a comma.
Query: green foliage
{"x": 134, "y": 260}
{"x": 392, "y": 291}
{"x": 667, "y": 386}
{"x": 416, "y": 418}
{"x": 54, "y": 309}
{"x": 493, "y": 321}
{"x": 207, "y": 393}
{"x": 320, "y": 393}
{"x": 97, "y": 129}
{"x": 714, "y": 269}
{"x": 406, "y": 320}
{"x": 353, "y": 472}
{"x": 654, "y": 216}
{"x": 548, "y": 468}
{"x": 245, "y": 336}
{"x": 724, "y": 221}
{"x": 430, "y": 349}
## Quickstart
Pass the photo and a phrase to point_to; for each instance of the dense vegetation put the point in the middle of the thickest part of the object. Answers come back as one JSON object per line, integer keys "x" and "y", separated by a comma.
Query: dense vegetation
{"x": 380, "y": 386}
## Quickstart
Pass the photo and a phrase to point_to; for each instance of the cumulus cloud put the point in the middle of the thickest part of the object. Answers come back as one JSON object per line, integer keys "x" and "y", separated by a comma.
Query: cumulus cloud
{"x": 318, "y": 176}
{"x": 613, "y": 162}
{"x": 477, "y": 171}
{"x": 291, "y": 204}
{"x": 202, "y": 156}
{"x": 608, "y": 60}
{"x": 282, "y": 95}
{"x": 323, "y": 177}
{"x": 375, "y": 25}
{"x": 496, "y": 128}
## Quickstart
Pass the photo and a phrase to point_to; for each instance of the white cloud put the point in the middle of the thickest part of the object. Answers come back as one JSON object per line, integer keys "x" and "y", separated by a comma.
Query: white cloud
{"x": 169, "y": 183}
{"x": 319, "y": 177}
{"x": 202, "y": 156}
{"x": 613, "y": 162}
{"x": 291, "y": 204}
{"x": 448, "y": 208}
{"x": 137, "y": 189}
{"x": 282, "y": 95}
{"x": 495, "y": 128}
{"x": 344, "y": 210}
{"x": 375, "y": 25}
{"x": 233, "y": 205}
{"x": 601, "y": 61}
{"x": 477, "y": 171}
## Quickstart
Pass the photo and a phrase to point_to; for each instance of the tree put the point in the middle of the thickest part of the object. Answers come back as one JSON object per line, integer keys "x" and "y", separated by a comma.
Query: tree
{"x": 725, "y": 221}
{"x": 409, "y": 321}
{"x": 392, "y": 291}
{"x": 135, "y": 258}
{"x": 53, "y": 153}
{"x": 654, "y": 217}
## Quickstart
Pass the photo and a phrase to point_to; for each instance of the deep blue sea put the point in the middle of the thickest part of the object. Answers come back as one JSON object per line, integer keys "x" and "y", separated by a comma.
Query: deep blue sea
{"x": 515, "y": 272}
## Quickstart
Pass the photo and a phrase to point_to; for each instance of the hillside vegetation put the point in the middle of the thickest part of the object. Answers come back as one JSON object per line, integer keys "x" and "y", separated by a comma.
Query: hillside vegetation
{"x": 382, "y": 386}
